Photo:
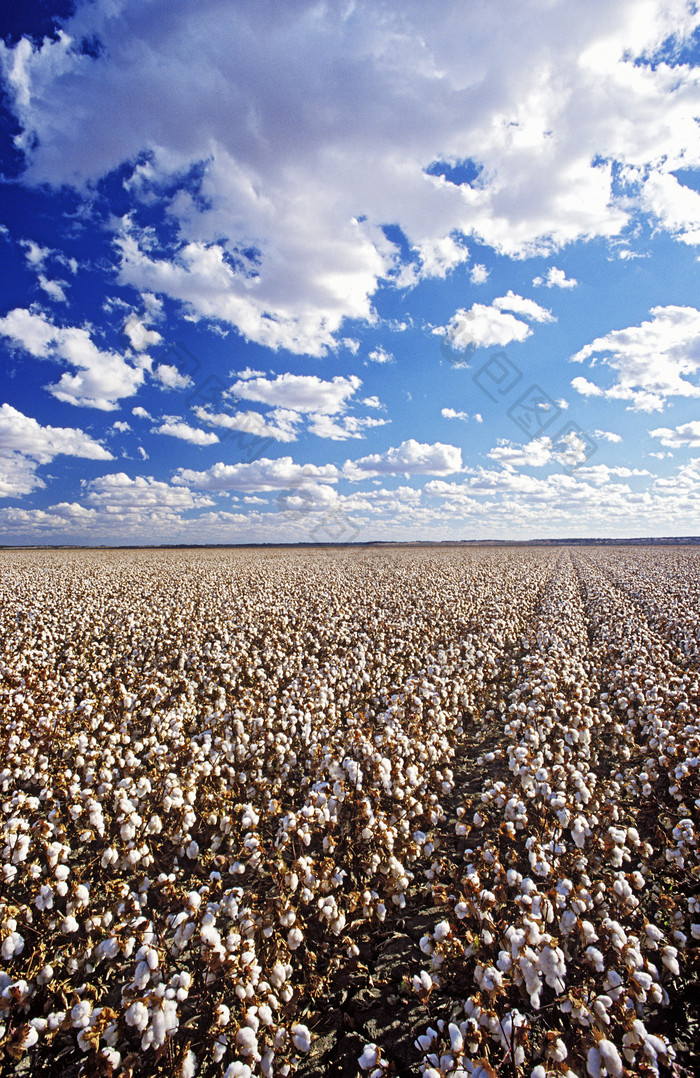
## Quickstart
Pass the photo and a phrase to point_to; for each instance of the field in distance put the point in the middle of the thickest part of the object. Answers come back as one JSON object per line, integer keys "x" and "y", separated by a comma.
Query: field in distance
{"x": 350, "y": 812}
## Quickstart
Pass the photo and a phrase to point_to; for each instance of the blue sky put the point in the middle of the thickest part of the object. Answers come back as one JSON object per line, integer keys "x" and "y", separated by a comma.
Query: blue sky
{"x": 335, "y": 271}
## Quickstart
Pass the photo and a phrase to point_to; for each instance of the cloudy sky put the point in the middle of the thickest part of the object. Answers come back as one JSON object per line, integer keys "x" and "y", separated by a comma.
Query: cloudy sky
{"x": 349, "y": 270}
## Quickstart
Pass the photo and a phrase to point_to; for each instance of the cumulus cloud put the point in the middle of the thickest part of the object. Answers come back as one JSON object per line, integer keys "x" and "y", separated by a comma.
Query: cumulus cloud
{"x": 121, "y": 495}
{"x": 675, "y": 207}
{"x": 260, "y": 475}
{"x": 170, "y": 377}
{"x": 278, "y": 230}
{"x": 533, "y": 455}
{"x": 280, "y": 424}
{"x": 409, "y": 458}
{"x": 300, "y": 393}
{"x": 179, "y": 429}
{"x": 601, "y": 473}
{"x": 140, "y": 336}
{"x": 526, "y": 307}
{"x": 606, "y": 435}
{"x": 478, "y": 274}
{"x": 53, "y": 289}
{"x": 495, "y": 324}
{"x": 340, "y": 428}
{"x": 651, "y": 361}
{"x": 687, "y": 434}
{"x": 25, "y": 444}
{"x": 380, "y": 355}
{"x": 555, "y": 278}
{"x": 101, "y": 378}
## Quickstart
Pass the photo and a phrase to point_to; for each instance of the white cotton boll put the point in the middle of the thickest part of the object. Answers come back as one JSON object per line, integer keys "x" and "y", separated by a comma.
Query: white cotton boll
{"x": 112, "y": 1056}
{"x": 12, "y": 946}
{"x": 70, "y": 925}
{"x": 538, "y": 1072}
{"x": 265, "y": 1014}
{"x": 137, "y": 1015}
{"x": 441, "y": 930}
{"x": 558, "y": 1051}
{"x": 238, "y": 1070}
{"x": 426, "y": 1039}
{"x": 223, "y": 1015}
{"x": 670, "y": 960}
{"x": 369, "y": 1057}
{"x": 294, "y": 938}
{"x": 610, "y": 1058}
{"x": 247, "y": 1041}
{"x": 593, "y": 1063}
{"x": 80, "y": 1015}
{"x": 188, "y": 1067}
{"x": 194, "y": 900}
{"x": 595, "y": 958}
{"x": 301, "y": 1037}
{"x": 456, "y": 1038}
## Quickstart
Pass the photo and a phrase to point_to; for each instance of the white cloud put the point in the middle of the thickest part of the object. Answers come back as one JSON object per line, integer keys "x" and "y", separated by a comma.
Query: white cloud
{"x": 484, "y": 326}
{"x": 651, "y": 361}
{"x": 169, "y": 376}
{"x": 25, "y": 444}
{"x": 451, "y": 413}
{"x": 526, "y": 307}
{"x": 478, "y": 274}
{"x": 600, "y": 473}
{"x": 439, "y": 256}
{"x": 380, "y": 355}
{"x": 140, "y": 412}
{"x": 122, "y": 496}
{"x": 533, "y": 455}
{"x": 178, "y": 429}
{"x": 685, "y": 434}
{"x": 101, "y": 377}
{"x": 53, "y": 289}
{"x": 280, "y": 424}
{"x": 62, "y": 516}
{"x": 249, "y": 373}
{"x": 675, "y": 207}
{"x": 260, "y": 475}
{"x": 35, "y": 254}
{"x": 121, "y": 425}
{"x": 339, "y": 429}
{"x": 140, "y": 336}
{"x": 555, "y": 278}
{"x": 409, "y": 458}
{"x": 301, "y": 393}
{"x": 281, "y": 233}
{"x": 372, "y": 402}
{"x": 607, "y": 435}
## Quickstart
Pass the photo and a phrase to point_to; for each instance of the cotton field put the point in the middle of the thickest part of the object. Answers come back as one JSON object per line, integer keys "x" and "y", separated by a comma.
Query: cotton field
{"x": 231, "y": 779}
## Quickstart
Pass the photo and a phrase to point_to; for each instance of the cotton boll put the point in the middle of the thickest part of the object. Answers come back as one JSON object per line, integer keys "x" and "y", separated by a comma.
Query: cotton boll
{"x": 369, "y": 1057}
{"x": 301, "y": 1037}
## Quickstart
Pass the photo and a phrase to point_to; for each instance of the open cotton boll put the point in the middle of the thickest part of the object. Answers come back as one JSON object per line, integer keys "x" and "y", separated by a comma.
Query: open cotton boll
{"x": 301, "y": 1037}
{"x": 369, "y": 1057}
